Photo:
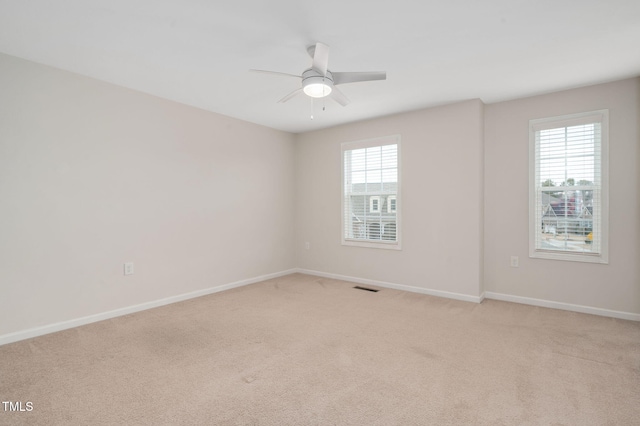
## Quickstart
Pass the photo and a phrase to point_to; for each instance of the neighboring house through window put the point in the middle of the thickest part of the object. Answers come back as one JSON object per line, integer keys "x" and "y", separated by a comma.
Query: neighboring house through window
{"x": 568, "y": 218}
{"x": 371, "y": 188}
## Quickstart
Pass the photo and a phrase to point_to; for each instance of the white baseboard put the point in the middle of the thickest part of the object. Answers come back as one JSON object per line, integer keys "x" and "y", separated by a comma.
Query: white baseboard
{"x": 59, "y": 326}
{"x": 430, "y": 292}
{"x": 63, "y": 325}
{"x": 485, "y": 295}
{"x": 564, "y": 306}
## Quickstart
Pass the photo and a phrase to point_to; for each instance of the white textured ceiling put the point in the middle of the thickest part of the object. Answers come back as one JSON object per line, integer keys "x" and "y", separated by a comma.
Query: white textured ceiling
{"x": 199, "y": 52}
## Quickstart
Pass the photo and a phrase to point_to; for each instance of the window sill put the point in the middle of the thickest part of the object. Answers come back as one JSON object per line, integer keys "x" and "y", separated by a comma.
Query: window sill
{"x": 569, "y": 257}
{"x": 395, "y": 245}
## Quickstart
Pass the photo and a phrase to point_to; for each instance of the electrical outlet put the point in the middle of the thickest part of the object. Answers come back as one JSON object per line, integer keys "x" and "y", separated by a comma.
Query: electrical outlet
{"x": 128, "y": 268}
{"x": 307, "y": 245}
{"x": 515, "y": 261}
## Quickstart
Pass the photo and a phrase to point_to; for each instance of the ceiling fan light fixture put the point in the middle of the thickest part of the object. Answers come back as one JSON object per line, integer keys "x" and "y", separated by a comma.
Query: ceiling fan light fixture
{"x": 317, "y": 90}
{"x": 315, "y": 84}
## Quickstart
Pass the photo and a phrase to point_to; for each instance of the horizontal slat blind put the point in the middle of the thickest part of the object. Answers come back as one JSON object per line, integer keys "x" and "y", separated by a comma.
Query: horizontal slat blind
{"x": 568, "y": 186}
{"x": 370, "y": 192}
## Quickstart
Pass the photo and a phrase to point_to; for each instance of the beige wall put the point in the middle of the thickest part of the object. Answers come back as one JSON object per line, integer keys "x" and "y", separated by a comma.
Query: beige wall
{"x": 615, "y": 286}
{"x": 465, "y": 203}
{"x": 93, "y": 175}
{"x": 441, "y": 175}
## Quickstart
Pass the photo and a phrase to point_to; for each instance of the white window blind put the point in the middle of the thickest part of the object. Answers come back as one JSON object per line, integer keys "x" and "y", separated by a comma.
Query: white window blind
{"x": 568, "y": 189}
{"x": 370, "y": 184}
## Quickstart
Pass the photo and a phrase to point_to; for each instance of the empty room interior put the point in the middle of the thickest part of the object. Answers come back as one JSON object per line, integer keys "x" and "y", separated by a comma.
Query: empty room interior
{"x": 269, "y": 213}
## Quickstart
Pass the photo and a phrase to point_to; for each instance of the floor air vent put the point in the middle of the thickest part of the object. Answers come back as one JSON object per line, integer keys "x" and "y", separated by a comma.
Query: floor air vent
{"x": 366, "y": 289}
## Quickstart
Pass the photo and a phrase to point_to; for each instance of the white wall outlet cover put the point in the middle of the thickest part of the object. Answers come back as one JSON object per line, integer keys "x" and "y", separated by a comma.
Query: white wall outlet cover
{"x": 128, "y": 268}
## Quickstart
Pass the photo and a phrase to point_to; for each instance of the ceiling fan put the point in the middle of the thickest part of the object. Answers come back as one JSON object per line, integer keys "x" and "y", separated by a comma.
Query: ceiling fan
{"x": 319, "y": 82}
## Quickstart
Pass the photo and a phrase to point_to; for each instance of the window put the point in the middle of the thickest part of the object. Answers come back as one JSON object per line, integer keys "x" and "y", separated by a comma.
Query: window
{"x": 569, "y": 187}
{"x": 370, "y": 178}
{"x": 374, "y": 204}
{"x": 391, "y": 204}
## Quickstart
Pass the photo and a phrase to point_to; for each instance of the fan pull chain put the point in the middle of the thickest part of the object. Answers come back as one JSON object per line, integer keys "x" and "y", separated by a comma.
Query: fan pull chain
{"x": 325, "y": 95}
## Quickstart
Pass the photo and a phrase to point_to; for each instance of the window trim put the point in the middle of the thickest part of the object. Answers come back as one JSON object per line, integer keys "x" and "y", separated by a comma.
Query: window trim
{"x": 367, "y": 143}
{"x": 601, "y": 116}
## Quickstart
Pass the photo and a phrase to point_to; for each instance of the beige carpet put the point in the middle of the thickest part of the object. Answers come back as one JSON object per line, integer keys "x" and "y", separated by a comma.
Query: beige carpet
{"x": 303, "y": 350}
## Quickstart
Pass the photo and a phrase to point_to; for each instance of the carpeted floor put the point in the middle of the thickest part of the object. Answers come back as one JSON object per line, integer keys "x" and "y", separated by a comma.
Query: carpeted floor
{"x": 303, "y": 350}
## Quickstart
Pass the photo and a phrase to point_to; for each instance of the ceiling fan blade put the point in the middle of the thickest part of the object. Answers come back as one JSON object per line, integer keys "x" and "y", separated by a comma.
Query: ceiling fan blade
{"x": 321, "y": 58}
{"x": 290, "y": 95}
{"x": 355, "y": 77}
{"x": 284, "y": 74}
{"x": 339, "y": 97}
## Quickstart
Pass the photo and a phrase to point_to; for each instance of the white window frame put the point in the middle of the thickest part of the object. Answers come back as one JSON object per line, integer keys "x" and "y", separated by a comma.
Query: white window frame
{"x": 345, "y": 222}
{"x": 600, "y": 215}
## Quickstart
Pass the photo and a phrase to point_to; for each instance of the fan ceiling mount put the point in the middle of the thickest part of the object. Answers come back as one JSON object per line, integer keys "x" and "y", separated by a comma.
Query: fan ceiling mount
{"x": 319, "y": 82}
